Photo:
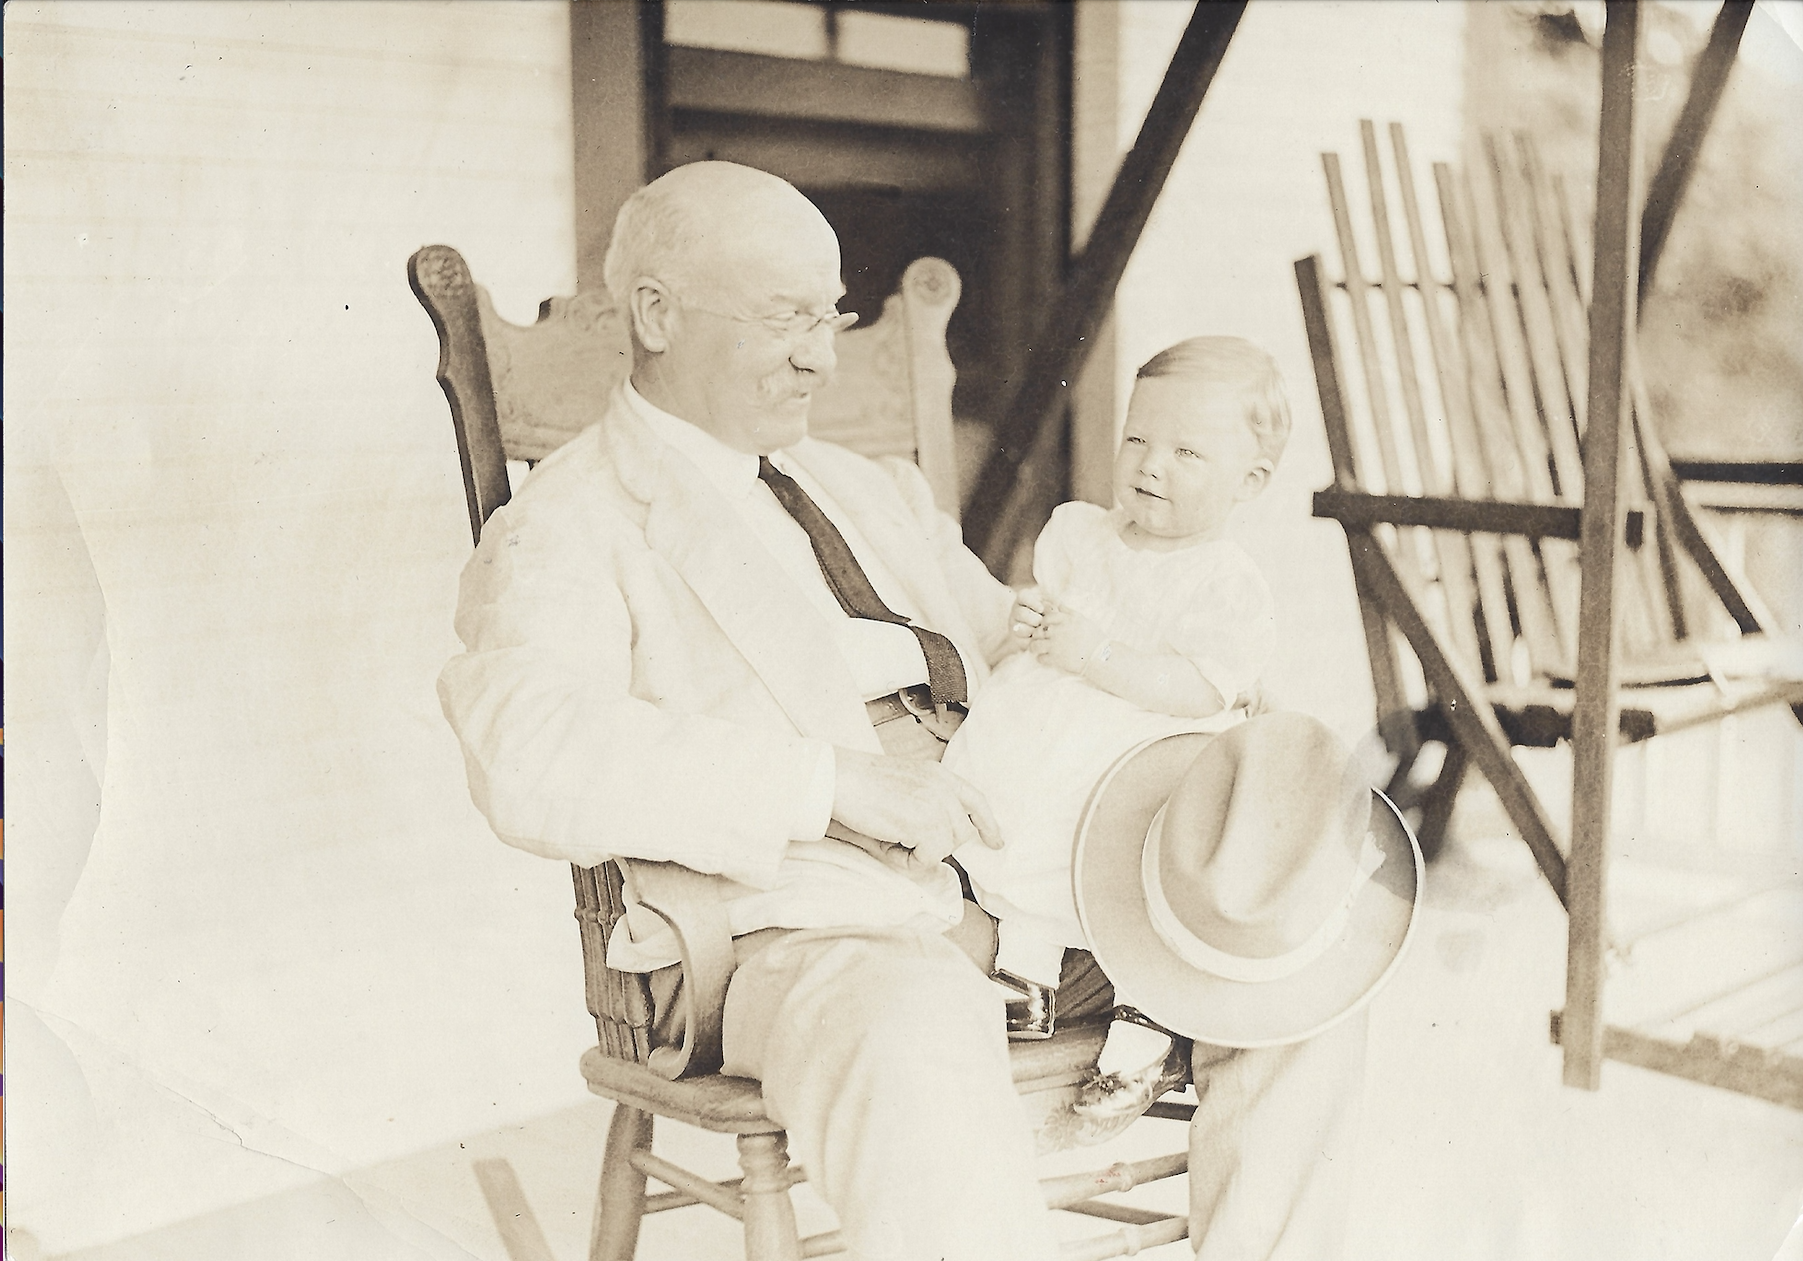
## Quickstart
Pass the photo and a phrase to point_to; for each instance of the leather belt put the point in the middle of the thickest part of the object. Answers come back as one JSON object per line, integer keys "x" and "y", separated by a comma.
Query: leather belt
{"x": 915, "y": 702}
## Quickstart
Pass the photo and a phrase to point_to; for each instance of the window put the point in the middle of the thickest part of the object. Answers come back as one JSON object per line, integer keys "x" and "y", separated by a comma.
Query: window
{"x": 811, "y": 32}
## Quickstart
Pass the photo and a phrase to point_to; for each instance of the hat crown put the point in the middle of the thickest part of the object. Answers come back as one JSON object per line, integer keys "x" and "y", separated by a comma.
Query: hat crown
{"x": 1260, "y": 845}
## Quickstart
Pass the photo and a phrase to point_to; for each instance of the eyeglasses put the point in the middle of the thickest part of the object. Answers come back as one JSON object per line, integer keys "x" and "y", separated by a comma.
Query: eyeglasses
{"x": 792, "y": 325}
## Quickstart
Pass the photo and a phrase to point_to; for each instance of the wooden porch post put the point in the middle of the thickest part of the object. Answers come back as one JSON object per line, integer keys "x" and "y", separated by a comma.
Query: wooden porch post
{"x": 1003, "y": 497}
{"x": 615, "y": 53}
{"x": 1596, "y": 715}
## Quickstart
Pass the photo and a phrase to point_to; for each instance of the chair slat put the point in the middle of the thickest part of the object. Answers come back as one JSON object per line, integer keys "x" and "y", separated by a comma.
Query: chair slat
{"x": 1364, "y": 334}
{"x": 1520, "y": 247}
{"x": 1468, "y": 476}
{"x": 1380, "y": 645}
{"x": 1450, "y": 550}
{"x": 1501, "y": 455}
{"x": 1654, "y": 616}
{"x": 1559, "y": 561}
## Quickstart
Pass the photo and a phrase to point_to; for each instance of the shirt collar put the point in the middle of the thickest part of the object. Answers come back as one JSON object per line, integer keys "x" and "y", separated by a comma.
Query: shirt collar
{"x": 733, "y": 472}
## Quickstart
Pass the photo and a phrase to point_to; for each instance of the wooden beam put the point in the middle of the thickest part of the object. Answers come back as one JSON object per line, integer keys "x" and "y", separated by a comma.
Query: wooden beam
{"x": 715, "y": 81}
{"x": 1666, "y": 192}
{"x": 1008, "y": 483}
{"x": 614, "y": 58}
{"x": 1595, "y": 716}
{"x": 1746, "y": 1070}
{"x": 1462, "y": 697}
{"x": 1480, "y": 516}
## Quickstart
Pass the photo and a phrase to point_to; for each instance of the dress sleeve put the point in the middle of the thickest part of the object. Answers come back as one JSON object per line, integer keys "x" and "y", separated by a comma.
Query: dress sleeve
{"x": 1055, "y": 553}
{"x": 1228, "y": 626}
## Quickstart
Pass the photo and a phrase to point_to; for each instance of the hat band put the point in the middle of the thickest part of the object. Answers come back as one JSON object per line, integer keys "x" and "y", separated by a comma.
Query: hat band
{"x": 1199, "y": 954}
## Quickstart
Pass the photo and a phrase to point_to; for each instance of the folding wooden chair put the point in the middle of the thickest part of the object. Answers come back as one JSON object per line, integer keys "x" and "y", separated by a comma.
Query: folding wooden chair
{"x": 1456, "y": 426}
{"x": 517, "y": 393}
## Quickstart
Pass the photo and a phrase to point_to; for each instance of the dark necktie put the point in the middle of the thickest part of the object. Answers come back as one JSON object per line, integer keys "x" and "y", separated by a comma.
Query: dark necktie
{"x": 850, "y": 585}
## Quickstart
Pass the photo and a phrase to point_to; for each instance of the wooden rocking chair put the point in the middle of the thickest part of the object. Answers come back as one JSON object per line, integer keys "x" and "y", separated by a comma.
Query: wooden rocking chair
{"x": 1456, "y": 429}
{"x": 517, "y": 393}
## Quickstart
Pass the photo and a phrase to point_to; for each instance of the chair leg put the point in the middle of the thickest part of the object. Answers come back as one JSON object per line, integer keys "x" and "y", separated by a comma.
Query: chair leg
{"x": 1438, "y": 800}
{"x": 770, "y": 1233}
{"x": 620, "y": 1199}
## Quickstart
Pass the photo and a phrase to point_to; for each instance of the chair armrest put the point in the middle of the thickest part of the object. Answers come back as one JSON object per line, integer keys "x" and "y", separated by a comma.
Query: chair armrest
{"x": 690, "y": 904}
{"x": 1483, "y": 516}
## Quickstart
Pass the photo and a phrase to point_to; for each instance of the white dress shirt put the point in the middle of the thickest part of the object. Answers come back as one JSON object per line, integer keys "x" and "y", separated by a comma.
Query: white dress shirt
{"x": 883, "y": 656}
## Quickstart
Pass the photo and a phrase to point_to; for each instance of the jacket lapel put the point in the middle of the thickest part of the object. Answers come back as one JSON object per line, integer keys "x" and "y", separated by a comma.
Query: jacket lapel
{"x": 753, "y": 601}
{"x": 867, "y": 495}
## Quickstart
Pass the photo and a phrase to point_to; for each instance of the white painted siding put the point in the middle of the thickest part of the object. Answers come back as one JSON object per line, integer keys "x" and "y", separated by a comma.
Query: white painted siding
{"x": 226, "y": 455}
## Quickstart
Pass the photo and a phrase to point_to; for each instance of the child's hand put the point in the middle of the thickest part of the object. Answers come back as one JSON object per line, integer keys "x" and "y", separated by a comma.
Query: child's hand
{"x": 1067, "y": 640}
{"x": 1030, "y": 607}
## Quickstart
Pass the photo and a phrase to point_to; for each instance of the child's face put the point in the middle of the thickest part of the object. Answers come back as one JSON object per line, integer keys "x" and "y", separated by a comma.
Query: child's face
{"x": 1186, "y": 458}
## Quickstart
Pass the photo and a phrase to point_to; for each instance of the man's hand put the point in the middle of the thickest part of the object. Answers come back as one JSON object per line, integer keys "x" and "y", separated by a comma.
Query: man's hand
{"x": 1066, "y": 640}
{"x": 919, "y": 806}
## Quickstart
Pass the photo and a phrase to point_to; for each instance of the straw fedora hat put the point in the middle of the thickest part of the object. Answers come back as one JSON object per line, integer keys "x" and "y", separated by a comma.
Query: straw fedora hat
{"x": 1245, "y": 889}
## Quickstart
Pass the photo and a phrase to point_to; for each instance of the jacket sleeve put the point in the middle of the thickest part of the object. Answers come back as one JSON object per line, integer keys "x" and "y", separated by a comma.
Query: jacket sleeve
{"x": 984, "y": 600}
{"x": 563, "y": 759}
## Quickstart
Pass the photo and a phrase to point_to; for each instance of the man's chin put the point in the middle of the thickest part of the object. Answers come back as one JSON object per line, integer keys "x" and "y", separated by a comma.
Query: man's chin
{"x": 785, "y": 424}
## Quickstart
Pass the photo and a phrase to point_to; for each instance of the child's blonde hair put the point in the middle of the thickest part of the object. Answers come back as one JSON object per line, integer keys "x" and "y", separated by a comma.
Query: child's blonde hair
{"x": 1237, "y": 364}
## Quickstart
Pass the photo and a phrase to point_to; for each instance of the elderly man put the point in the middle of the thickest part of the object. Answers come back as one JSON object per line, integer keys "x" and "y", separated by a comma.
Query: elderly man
{"x": 697, "y": 635}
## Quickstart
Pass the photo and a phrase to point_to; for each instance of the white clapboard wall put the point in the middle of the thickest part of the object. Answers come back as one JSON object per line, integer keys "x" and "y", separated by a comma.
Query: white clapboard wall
{"x": 284, "y": 946}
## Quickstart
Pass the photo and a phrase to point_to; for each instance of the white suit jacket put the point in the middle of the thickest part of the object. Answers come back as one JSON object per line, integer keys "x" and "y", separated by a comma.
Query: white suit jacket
{"x": 641, "y": 678}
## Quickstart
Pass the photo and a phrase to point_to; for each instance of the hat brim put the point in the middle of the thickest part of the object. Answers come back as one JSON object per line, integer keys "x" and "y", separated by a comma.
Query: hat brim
{"x": 1149, "y": 975}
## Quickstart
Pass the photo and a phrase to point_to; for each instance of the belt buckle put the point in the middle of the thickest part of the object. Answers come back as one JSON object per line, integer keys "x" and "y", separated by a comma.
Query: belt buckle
{"x": 916, "y": 699}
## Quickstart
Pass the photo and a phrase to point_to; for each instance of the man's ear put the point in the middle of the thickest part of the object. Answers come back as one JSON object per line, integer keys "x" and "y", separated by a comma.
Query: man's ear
{"x": 1256, "y": 479}
{"x": 652, "y": 311}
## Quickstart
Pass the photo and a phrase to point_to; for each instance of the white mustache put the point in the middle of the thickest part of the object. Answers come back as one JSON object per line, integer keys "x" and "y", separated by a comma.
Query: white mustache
{"x": 785, "y": 384}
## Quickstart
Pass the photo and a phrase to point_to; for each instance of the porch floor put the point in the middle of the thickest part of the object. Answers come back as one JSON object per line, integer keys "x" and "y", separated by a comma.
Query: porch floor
{"x": 1471, "y": 1147}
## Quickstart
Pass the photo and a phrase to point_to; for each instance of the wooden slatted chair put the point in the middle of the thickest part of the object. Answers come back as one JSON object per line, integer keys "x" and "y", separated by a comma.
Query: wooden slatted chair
{"x": 517, "y": 393}
{"x": 1455, "y": 426}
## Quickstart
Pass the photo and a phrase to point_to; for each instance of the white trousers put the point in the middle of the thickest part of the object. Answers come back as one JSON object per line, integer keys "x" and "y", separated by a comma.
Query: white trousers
{"x": 883, "y": 1054}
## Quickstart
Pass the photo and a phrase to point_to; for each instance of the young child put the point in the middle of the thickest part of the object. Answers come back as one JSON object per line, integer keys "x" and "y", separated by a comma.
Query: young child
{"x": 1145, "y": 621}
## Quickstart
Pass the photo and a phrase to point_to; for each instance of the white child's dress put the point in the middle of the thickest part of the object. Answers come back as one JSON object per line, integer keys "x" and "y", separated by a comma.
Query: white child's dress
{"x": 1038, "y": 739}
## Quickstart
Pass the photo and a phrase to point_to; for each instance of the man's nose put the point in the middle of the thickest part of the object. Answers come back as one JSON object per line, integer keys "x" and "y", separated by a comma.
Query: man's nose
{"x": 815, "y": 353}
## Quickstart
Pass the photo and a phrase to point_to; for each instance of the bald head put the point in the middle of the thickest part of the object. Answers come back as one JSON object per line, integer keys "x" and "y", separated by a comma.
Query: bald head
{"x": 709, "y": 223}
{"x": 729, "y": 278}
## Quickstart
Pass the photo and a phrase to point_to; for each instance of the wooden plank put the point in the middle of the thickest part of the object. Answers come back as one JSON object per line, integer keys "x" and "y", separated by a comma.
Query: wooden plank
{"x": 1468, "y": 474}
{"x": 1490, "y": 516}
{"x": 1519, "y": 238}
{"x": 1656, "y": 613}
{"x": 1776, "y": 1077}
{"x": 1595, "y": 717}
{"x": 1451, "y": 552}
{"x": 716, "y": 81}
{"x": 1500, "y": 454}
{"x": 997, "y": 519}
{"x": 1377, "y": 394}
{"x": 521, "y": 1236}
{"x": 613, "y": 48}
{"x": 1506, "y": 325}
{"x": 1380, "y": 648}
{"x": 1666, "y": 192}
{"x": 1467, "y": 710}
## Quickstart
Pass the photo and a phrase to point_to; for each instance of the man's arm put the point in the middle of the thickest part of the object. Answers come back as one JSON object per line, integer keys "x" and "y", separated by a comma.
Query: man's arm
{"x": 564, "y": 760}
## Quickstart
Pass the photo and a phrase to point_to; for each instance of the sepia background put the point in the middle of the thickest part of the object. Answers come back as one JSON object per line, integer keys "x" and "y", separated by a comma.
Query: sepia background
{"x": 273, "y": 986}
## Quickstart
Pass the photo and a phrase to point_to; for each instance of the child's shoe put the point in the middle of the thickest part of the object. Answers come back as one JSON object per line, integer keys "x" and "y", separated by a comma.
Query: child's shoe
{"x": 1110, "y": 1097}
